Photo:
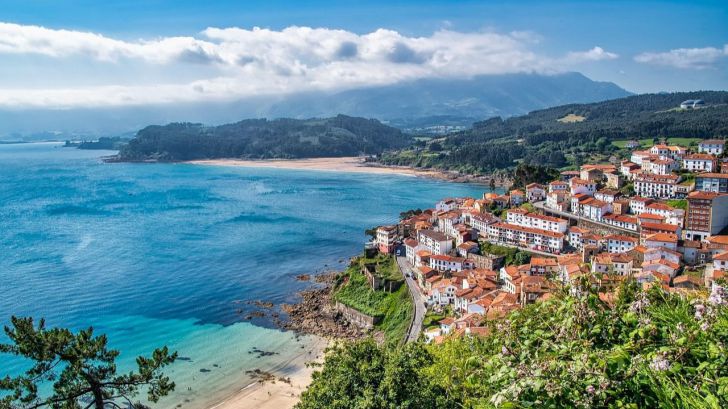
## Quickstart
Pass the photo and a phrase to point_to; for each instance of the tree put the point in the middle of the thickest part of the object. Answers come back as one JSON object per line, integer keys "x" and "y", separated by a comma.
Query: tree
{"x": 492, "y": 184}
{"x": 81, "y": 369}
{"x": 371, "y": 233}
{"x": 365, "y": 375}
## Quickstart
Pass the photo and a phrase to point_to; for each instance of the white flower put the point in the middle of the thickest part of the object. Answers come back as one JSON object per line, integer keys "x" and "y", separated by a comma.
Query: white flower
{"x": 659, "y": 363}
{"x": 717, "y": 296}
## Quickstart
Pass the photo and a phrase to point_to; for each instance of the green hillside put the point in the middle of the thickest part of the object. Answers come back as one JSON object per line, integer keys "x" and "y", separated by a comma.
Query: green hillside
{"x": 570, "y": 134}
{"x": 260, "y": 138}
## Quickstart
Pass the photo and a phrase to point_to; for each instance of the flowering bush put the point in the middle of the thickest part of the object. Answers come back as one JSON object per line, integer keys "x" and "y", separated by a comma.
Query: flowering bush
{"x": 650, "y": 349}
{"x": 645, "y": 349}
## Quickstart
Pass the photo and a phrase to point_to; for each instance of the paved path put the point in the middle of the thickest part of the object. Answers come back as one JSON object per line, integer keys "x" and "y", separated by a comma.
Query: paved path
{"x": 417, "y": 299}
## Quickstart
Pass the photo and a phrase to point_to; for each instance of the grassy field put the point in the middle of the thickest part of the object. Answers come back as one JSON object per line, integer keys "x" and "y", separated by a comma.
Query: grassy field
{"x": 678, "y": 203}
{"x": 646, "y": 143}
{"x": 386, "y": 266}
{"x": 395, "y": 308}
{"x": 571, "y": 118}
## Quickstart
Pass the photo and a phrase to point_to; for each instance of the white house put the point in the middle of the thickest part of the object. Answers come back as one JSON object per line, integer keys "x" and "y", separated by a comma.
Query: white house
{"x": 712, "y": 146}
{"x": 537, "y": 239}
{"x": 620, "y": 244}
{"x": 558, "y": 200}
{"x": 595, "y": 209}
{"x": 662, "y": 166}
{"x": 447, "y": 263}
{"x": 607, "y": 195}
{"x": 435, "y": 241}
{"x": 558, "y": 186}
{"x": 579, "y": 185}
{"x": 656, "y": 186}
{"x": 638, "y": 205}
{"x": 446, "y": 205}
{"x": 535, "y": 192}
{"x": 670, "y": 214}
{"x": 523, "y": 218}
{"x": 700, "y": 162}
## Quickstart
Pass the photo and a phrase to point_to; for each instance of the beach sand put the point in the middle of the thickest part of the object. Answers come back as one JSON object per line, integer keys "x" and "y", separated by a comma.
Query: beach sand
{"x": 346, "y": 164}
{"x": 278, "y": 394}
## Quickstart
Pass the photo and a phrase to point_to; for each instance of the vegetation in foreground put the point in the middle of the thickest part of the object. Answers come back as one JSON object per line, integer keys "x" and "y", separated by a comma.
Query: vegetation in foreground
{"x": 80, "y": 368}
{"x": 643, "y": 349}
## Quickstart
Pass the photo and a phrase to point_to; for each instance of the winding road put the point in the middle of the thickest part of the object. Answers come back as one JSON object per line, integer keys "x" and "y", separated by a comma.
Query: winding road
{"x": 417, "y": 299}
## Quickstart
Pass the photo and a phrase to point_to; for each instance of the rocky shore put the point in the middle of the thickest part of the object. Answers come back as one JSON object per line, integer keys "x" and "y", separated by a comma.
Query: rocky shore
{"x": 447, "y": 175}
{"x": 316, "y": 315}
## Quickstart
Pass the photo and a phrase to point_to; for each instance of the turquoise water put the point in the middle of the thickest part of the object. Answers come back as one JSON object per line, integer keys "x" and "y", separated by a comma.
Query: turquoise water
{"x": 166, "y": 254}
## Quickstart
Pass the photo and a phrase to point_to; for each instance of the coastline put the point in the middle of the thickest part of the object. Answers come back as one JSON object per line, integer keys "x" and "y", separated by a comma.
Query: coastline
{"x": 346, "y": 164}
{"x": 283, "y": 389}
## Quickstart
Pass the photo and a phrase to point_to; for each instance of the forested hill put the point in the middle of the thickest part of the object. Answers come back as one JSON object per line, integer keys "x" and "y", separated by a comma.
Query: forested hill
{"x": 261, "y": 138}
{"x": 571, "y": 134}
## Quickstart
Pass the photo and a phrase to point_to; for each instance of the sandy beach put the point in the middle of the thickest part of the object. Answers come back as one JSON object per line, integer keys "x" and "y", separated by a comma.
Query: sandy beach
{"x": 346, "y": 164}
{"x": 349, "y": 164}
{"x": 277, "y": 394}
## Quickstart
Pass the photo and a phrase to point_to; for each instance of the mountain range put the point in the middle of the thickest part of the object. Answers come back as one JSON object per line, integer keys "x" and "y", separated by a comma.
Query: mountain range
{"x": 407, "y": 105}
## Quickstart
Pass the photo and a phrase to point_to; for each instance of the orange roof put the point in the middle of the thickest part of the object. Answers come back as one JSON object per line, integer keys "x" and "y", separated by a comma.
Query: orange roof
{"x": 659, "y": 206}
{"x": 661, "y": 226}
{"x": 700, "y": 156}
{"x": 447, "y": 321}
{"x": 543, "y": 261}
{"x": 718, "y": 240}
{"x": 687, "y": 279}
{"x": 650, "y": 216}
{"x": 620, "y": 238}
{"x": 577, "y": 230}
{"x": 713, "y": 175}
{"x": 662, "y": 262}
{"x": 663, "y": 237}
{"x": 721, "y": 257}
{"x": 546, "y": 218}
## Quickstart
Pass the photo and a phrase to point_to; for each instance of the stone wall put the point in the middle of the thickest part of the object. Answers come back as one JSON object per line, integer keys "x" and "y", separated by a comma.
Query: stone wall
{"x": 488, "y": 261}
{"x": 356, "y": 317}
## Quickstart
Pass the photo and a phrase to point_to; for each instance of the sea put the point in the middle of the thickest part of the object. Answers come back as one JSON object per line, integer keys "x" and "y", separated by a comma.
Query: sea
{"x": 176, "y": 254}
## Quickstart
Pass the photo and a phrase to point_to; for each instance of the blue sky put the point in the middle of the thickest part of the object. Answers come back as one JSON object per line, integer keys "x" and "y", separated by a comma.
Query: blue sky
{"x": 76, "y": 53}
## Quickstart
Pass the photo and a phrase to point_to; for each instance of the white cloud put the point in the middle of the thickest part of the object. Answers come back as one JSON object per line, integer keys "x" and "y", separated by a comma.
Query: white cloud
{"x": 242, "y": 62}
{"x": 693, "y": 58}
{"x": 595, "y": 54}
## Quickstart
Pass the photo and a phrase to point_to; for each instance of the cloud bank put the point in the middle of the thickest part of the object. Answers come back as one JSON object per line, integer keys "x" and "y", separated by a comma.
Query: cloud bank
{"x": 238, "y": 63}
{"x": 685, "y": 58}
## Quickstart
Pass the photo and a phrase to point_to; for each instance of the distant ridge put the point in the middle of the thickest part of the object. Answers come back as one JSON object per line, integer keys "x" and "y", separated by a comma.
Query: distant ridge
{"x": 260, "y": 139}
{"x": 424, "y": 102}
{"x": 544, "y": 137}
{"x": 407, "y": 105}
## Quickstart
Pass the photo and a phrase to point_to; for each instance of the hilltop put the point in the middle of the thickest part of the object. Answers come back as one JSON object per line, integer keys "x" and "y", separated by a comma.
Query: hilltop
{"x": 260, "y": 139}
{"x": 570, "y": 134}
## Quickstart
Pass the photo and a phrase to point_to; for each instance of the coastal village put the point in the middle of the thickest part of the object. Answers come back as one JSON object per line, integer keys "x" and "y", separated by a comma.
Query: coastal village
{"x": 661, "y": 217}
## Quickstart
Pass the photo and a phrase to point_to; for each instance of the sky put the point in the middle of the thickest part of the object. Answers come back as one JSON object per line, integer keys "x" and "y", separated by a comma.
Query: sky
{"x": 74, "y": 54}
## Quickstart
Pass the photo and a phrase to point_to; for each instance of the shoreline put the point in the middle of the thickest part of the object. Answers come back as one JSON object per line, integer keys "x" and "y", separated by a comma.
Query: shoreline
{"x": 347, "y": 164}
{"x": 283, "y": 389}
